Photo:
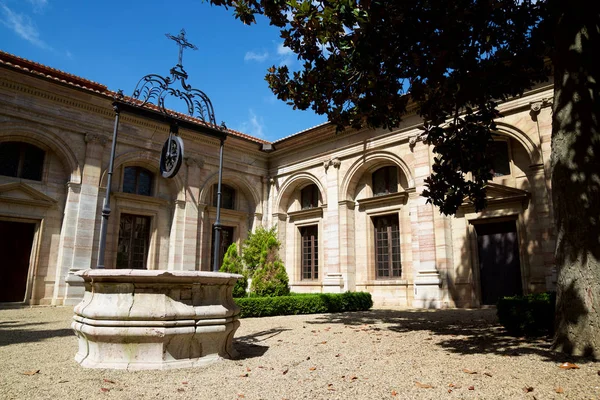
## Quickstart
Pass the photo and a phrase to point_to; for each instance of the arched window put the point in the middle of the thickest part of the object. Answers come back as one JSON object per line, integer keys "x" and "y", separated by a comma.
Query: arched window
{"x": 227, "y": 197}
{"x": 309, "y": 197}
{"x": 137, "y": 180}
{"x": 500, "y": 158}
{"x": 21, "y": 160}
{"x": 385, "y": 181}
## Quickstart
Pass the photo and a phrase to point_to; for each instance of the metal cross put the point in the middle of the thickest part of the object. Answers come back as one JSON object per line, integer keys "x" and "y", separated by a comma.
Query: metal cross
{"x": 182, "y": 42}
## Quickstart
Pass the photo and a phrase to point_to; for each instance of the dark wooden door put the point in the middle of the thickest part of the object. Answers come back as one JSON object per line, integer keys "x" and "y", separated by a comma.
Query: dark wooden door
{"x": 499, "y": 265}
{"x": 134, "y": 241}
{"x": 226, "y": 241}
{"x": 16, "y": 239}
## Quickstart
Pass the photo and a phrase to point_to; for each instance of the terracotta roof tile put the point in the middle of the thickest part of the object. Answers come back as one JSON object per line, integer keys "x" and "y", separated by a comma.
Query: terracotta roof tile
{"x": 44, "y": 71}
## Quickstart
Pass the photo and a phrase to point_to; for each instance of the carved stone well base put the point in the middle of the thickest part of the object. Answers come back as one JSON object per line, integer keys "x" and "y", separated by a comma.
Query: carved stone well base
{"x": 153, "y": 319}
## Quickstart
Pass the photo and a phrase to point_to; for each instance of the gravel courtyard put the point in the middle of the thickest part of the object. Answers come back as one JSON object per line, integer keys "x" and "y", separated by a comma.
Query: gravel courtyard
{"x": 379, "y": 354}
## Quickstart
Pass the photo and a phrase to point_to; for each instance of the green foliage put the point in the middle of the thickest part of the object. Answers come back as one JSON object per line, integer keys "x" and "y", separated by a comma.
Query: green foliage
{"x": 254, "y": 246}
{"x": 232, "y": 263}
{"x": 304, "y": 304}
{"x": 360, "y": 60}
{"x": 270, "y": 279}
{"x": 531, "y": 315}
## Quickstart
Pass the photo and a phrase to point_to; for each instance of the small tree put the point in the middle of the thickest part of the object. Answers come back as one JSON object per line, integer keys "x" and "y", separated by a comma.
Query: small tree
{"x": 232, "y": 263}
{"x": 253, "y": 247}
{"x": 270, "y": 277}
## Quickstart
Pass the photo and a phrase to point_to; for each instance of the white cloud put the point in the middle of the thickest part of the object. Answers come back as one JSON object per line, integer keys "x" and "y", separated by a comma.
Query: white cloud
{"x": 285, "y": 54}
{"x": 38, "y": 5}
{"x": 69, "y": 55}
{"x": 22, "y": 25}
{"x": 259, "y": 57}
{"x": 254, "y": 126}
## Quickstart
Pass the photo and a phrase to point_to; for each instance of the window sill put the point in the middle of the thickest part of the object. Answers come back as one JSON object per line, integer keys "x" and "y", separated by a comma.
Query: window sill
{"x": 385, "y": 282}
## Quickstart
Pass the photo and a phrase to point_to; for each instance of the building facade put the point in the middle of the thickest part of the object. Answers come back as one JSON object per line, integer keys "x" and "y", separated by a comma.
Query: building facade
{"x": 347, "y": 206}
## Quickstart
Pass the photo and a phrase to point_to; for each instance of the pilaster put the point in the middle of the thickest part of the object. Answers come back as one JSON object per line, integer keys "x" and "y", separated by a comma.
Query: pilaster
{"x": 333, "y": 281}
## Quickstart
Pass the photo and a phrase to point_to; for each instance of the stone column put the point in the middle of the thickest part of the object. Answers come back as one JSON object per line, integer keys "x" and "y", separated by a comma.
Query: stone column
{"x": 190, "y": 223}
{"x": 87, "y": 204}
{"x": 333, "y": 281}
{"x": 347, "y": 256}
{"x": 427, "y": 280}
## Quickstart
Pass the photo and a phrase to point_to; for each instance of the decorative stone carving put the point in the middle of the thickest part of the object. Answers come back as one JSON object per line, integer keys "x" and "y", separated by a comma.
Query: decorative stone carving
{"x": 96, "y": 138}
{"x": 153, "y": 319}
{"x": 419, "y": 137}
{"x": 335, "y": 162}
{"x": 536, "y": 107}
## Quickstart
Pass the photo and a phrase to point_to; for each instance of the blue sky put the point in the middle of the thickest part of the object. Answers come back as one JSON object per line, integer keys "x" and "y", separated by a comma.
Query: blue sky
{"x": 117, "y": 42}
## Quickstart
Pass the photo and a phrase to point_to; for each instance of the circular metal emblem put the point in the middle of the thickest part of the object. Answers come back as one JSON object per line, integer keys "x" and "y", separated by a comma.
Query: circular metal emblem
{"x": 171, "y": 156}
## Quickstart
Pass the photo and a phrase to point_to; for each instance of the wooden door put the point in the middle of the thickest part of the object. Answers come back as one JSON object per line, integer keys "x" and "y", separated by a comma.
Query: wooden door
{"x": 499, "y": 263}
{"x": 134, "y": 241}
{"x": 16, "y": 239}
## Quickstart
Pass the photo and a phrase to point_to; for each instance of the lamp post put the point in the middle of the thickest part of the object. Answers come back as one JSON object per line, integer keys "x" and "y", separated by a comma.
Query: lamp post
{"x": 148, "y": 100}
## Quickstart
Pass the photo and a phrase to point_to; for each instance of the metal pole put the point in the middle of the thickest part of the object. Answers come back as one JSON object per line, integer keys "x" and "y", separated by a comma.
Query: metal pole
{"x": 218, "y": 220}
{"x": 106, "y": 205}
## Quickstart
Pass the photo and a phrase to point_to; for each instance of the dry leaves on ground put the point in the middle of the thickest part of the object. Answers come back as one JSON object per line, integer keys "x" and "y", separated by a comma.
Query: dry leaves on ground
{"x": 528, "y": 389}
{"x": 559, "y": 390}
{"x": 468, "y": 371}
{"x": 32, "y": 372}
{"x": 568, "y": 365}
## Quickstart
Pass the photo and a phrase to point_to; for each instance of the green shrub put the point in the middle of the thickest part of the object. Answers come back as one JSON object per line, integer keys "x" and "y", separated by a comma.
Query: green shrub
{"x": 304, "y": 304}
{"x": 270, "y": 277}
{"x": 531, "y": 315}
{"x": 232, "y": 263}
{"x": 254, "y": 245}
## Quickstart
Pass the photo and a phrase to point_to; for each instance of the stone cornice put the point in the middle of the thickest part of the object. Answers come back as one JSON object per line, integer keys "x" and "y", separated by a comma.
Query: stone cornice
{"x": 315, "y": 212}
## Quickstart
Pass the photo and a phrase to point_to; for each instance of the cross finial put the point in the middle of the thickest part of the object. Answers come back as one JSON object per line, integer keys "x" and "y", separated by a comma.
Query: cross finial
{"x": 182, "y": 43}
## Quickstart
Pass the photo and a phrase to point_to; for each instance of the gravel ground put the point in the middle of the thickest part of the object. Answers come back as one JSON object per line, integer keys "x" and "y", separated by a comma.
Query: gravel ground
{"x": 379, "y": 354}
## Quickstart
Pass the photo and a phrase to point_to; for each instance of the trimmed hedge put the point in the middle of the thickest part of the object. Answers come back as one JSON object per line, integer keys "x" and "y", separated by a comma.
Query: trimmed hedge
{"x": 304, "y": 304}
{"x": 531, "y": 315}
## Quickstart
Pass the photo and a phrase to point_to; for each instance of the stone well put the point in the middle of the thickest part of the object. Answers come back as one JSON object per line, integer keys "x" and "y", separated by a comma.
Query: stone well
{"x": 155, "y": 319}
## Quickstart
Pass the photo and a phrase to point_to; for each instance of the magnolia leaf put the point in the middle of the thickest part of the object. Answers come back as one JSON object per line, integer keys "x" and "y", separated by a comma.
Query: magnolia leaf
{"x": 423, "y": 385}
{"x": 32, "y": 372}
{"x": 568, "y": 365}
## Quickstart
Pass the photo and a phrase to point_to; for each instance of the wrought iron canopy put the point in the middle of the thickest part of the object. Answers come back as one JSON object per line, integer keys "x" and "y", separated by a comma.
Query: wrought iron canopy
{"x": 157, "y": 88}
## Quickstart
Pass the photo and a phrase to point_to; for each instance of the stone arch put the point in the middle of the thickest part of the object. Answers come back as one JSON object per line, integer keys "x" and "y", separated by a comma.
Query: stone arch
{"x": 148, "y": 160}
{"x": 368, "y": 162}
{"x": 292, "y": 183}
{"x": 235, "y": 180}
{"x": 45, "y": 140}
{"x": 521, "y": 137}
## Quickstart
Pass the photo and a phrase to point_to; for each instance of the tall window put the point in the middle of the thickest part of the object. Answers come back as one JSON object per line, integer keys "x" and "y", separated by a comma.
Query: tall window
{"x": 310, "y": 252}
{"x": 227, "y": 197}
{"x": 138, "y": 180}
{"x": 385, "y": 181}
{"x": 21, "y": 160}
{"x": 387, "y": 247}
{"x": 309, "y": 197}
{"x": 134, "y": 241}
{"x": 500, "y": 158}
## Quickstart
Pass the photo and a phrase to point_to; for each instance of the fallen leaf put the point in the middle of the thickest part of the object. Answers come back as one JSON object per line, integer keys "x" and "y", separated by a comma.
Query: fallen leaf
{"x": 449, "y": 390}
{"x": 330, "y": 384}
{"x": 353, "y": 378}
{"x": 394, "y": 393}
{"x": 312, "y": 368}
{"x": 423, "y": 385}
{"x": 559, "y": 390}
{"x": 568, "y": 365}
{"x": 487, "y": 374}
{"x": 63, "y": 381}
{"x": 428, "y": 338}
{"x": 260, "y": 366}
{"x": 528, "y": 389}
{"x": 32, "y": 372}
{"x": 109, "y": 381}
{"x": 324, "y": 342}
{"x": 468, "y": 371}
{"x": 180, "y": 389}
{"x": 471, "y": 387}
{"x": 307, "y": 358}
{"x": 241, "y": 396}
{"x": 285, "y": 371}
{"x": 104, "y": 389}
{"x": 337, "y": 355}
{"x": 244, "y": 375}
{"x": 184, "y": 383}
{"x": 248, "y": 369}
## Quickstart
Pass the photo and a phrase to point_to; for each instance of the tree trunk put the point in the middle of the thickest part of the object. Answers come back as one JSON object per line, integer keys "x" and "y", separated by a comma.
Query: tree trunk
{"x": 576, "y": 176}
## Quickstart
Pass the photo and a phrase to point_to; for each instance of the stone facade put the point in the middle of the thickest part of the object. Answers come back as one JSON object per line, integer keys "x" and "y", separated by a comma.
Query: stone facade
{"x": 439, "y": 260}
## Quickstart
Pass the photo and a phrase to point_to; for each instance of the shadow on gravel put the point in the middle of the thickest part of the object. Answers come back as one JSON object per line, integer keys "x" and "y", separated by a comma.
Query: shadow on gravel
{"x": 248, "y": 346}
{"x": 14, "y": 332}
{"x": 457, "y": 331}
